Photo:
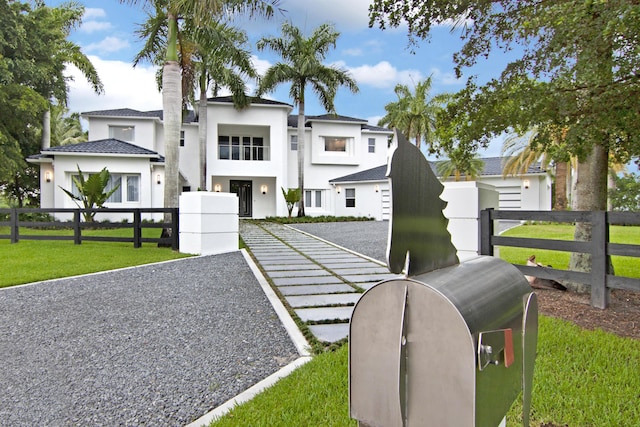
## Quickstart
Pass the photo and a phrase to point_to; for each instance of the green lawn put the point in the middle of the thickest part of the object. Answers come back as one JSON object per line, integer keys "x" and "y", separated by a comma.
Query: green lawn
{"x": 35, "y": 260}
{"x": 623, "y": 266}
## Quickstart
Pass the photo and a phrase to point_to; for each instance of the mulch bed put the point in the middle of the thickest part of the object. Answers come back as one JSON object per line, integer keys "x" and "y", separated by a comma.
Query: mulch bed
{"x": 622, "y": 317}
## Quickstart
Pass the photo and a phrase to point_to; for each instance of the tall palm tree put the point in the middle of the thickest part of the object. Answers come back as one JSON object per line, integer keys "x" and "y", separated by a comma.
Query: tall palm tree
{"x": 302, "y": 65}
{"x": 212, "y": 55}
{"x": 65, "y": 129}
{"x": 199, "y": 12}
{"x": 414, "y": 114}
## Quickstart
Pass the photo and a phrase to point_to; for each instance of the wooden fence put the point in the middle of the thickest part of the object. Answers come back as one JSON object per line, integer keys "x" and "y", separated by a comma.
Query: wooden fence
{"x": 599, "y": 247}
{"x": 15, "y": 218}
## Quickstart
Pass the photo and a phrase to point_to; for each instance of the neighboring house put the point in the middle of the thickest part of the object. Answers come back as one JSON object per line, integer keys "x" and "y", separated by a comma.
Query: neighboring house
{"x": 250, "y": 152}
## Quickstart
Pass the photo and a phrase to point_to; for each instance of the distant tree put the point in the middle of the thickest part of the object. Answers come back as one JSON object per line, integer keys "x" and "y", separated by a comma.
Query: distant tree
{"x": 302, "y": 65}
{"x": 291, "y": 197}
{"x": 65, "y": 128}
{"x": 459, "y": 165}
{"x": 92, "y": 191}
{"x": 625, "y": 196}
{"x": 414, "y": 114}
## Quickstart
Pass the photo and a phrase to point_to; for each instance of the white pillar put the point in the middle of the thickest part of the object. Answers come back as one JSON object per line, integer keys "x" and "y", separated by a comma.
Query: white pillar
{"x": 465, "y": 201}
{"x": 208, "y": 222}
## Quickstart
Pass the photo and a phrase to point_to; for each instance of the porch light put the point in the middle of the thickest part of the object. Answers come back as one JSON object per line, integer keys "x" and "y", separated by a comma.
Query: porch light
{"x": 525, "y": 183}
{"x": 263, "y": 189}
{"x": 217, "y": 188}
{"x": 376, "y": 187}
{"x": 158, "y": 179}
{"x": 338, "y": 189}
{"x": 47, "y": 176}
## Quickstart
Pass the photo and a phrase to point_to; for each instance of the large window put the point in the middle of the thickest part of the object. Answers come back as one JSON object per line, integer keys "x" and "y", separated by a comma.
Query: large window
{"x": 123, "y": 133}
{"x": 335, "y": 144}
{"x": 242, "y": 148}
{"x": 372, "y": 145}
{"x": 350, "y": 197}
{"x": 294, "y": 142}
{"x": 129, "y": 190}
{"x": 313, "y": 198}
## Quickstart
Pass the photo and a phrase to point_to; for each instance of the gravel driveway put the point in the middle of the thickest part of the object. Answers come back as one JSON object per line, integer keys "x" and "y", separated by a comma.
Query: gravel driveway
{"x": 154, "y": 345}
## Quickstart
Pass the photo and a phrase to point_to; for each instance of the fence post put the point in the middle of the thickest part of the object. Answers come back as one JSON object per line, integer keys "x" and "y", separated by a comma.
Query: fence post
{"x": 486, "y": 231}
{"x": 137, "y": 229}
{"x": 599, "y": 259}
{"x": 15, "y": 231}
{"x": 175, "y": 245}
{"x": 77, "y": 237}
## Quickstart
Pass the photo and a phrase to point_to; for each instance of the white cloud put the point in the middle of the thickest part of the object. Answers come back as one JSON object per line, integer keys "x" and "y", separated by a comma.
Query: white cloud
{"x": 373, "y": 120}
{"x": 261, "y": 65}
{"x": 125, "y": 87}
{"x": 447, "y": 79}
{"x": 92, "y": 12}
{"x": 384, "y": 75}
{"x": 352, "y": 52}
{"x": 94, "y": 26}
{"x": 108, "y": 44}
{"x": 351, "y": 14}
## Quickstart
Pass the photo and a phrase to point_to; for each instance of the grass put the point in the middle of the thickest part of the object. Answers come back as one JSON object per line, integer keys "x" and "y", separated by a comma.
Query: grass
{"x": 582, "y": 378}
{"x": 623, "y": 266}
{"x": 31, "y": 260}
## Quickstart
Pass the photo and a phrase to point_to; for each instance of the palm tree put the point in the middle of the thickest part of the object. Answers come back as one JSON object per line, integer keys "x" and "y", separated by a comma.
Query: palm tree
{"x": 65, "y": 129}
{"x": 414, "y": 114}
{"x": 215, "y": 55}
{"x": 66, "y": 18}
{"x": 199, "y": 13}
{"x": 302, "y": 65}
{"x": 458, "y": 165}
{"x": 521, "y": 151}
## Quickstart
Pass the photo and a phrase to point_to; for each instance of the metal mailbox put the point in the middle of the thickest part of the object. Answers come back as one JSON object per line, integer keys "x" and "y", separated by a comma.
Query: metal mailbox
{"x": 450, "y": 347}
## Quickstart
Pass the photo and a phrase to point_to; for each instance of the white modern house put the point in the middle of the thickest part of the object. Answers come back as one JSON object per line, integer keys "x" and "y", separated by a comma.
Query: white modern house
{"x": 252, "y": 153}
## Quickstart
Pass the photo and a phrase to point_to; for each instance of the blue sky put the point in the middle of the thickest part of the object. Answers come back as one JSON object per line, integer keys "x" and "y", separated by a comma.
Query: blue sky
{"x": 378, "y": 60}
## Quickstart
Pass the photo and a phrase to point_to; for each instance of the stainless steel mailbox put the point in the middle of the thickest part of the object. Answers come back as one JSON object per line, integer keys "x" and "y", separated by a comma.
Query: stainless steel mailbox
{"x": 450, "y": 347}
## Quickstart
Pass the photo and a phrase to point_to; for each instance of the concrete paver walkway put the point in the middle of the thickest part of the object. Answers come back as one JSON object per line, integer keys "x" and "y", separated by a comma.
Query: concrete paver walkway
{"x": 320, "y": 281}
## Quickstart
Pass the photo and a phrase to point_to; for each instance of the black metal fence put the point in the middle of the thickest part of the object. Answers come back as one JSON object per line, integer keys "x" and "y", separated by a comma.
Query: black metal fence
{"x": 15, "y": 218}
{"x": 599, "y": 247}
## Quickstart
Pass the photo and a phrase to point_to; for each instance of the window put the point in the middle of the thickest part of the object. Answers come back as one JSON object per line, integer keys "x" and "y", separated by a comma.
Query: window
{"x": 123, "y": 133}
{"x": 350, "y": 197}
{"x": 294, "y": 142}
{"x": 372, "y": 145}
{"x": 335, "y": 144}
{"x": 181, "y": 138}
{"x": 128, "y": 190}
{"x": 242, "y": 148}
{"x": 313, "y": 198}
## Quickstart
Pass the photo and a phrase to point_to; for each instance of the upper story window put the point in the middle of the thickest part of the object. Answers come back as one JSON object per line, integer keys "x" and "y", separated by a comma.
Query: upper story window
{"x": 294, "y": 142}
{"x": 181, "y": 138}
{"x": 242, "y": 148}
{"x": 372, "y": 145}
{"x": 123, "y": 133}
{"x": 335, "y": 144}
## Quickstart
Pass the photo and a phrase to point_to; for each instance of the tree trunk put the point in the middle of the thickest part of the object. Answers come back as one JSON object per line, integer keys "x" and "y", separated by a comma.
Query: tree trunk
{"x": 561, "y": 187}
{"x": 202, "y": 131}
{"x": 591, "y": 195}
{"x": 46, "y": 129}
{"x": 301, "y": 148}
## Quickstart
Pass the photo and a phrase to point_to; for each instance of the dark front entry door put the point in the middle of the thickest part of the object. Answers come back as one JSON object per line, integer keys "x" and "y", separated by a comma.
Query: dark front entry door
{"x": 244, "y": 192}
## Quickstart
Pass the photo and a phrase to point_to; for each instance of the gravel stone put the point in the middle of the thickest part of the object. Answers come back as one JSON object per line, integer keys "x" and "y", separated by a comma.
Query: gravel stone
{"x": 160, "y": 344}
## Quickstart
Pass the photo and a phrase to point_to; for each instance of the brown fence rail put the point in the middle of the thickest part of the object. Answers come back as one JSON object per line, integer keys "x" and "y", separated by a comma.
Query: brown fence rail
{"x": 599, "y": 247}
{"x": 15, "y": 218}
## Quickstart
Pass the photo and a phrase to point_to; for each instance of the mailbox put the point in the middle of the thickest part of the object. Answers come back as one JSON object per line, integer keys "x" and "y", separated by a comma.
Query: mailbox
{"x": 451, "y": 347}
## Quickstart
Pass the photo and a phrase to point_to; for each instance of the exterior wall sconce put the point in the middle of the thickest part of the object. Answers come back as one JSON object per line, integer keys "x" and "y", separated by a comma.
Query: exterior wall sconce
{"x": 217, "y": 188}
{"x": 376, "y": 187}
{"x": 526, "y": 183}
{"x": 158, "y": 181}
{"x": 263, "y": 189}
{"x": 47, "y": 176}
{"x": 338, "y": 189}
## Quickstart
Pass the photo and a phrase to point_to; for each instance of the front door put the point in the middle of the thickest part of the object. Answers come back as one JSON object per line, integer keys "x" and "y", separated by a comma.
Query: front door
{"x": 245, "y": 194}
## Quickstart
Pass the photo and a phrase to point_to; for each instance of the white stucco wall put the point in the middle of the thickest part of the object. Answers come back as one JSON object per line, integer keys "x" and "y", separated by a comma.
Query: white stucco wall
{"x": 146, "y": 133}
